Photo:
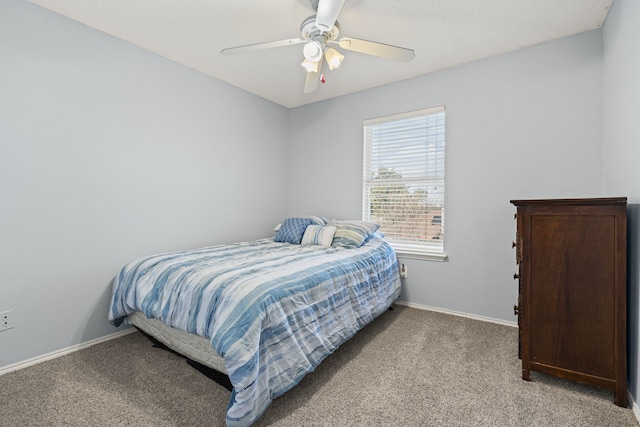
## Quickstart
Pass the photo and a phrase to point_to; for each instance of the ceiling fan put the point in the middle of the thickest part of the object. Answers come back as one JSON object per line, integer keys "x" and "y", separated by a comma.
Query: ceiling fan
{"x": 318, "y": 32}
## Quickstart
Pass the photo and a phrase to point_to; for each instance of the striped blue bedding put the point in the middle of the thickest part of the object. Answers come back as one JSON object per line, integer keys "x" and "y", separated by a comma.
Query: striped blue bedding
{"x": 273, "y": 311}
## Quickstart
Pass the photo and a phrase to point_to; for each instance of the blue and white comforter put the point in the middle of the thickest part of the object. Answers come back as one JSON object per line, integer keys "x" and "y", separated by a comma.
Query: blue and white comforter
{"x": 273, "y": 311}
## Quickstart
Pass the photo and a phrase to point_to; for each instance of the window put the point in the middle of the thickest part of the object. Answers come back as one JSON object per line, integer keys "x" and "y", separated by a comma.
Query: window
{"x": 403, "y": 187}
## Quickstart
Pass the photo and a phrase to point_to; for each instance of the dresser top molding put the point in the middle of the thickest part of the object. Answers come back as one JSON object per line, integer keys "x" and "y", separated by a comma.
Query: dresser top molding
{"x": 594, "y": 201}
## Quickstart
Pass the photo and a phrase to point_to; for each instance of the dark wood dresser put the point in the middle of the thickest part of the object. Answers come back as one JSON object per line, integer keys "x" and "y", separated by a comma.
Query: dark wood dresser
{"x": 571, "y": 307}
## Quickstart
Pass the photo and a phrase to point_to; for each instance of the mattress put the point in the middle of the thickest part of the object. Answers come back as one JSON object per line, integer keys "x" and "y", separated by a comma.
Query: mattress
{"x": 193, "y": 346}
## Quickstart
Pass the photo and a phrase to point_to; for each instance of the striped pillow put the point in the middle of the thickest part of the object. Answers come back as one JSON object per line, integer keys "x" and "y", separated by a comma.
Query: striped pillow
{"x": 318, "y": 235}
{"x": 352, "y": 234}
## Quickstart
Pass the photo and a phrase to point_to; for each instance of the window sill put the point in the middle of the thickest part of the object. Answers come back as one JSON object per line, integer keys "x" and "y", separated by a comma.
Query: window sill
{"x": 421, "y": 256}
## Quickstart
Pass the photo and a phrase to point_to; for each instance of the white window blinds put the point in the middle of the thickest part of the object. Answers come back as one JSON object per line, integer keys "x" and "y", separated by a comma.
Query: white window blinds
{"x": 403, "y": 187}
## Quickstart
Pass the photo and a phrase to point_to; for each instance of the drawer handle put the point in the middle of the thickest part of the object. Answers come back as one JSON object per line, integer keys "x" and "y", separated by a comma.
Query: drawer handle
{"x": 516, "y": 276}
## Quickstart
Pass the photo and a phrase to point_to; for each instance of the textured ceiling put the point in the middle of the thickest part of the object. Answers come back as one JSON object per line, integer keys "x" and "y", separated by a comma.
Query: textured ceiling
{"x": 443, "y": 33}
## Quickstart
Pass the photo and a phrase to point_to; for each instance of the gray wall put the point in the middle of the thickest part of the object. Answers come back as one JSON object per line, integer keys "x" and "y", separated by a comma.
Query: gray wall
{"x": 621, "y": 130}
{"x": 522, "y": 125}
{"x": 108, "y": 153}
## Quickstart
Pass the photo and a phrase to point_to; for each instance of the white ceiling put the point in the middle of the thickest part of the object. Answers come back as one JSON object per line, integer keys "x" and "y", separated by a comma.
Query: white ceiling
{"x": 443, "y": 33}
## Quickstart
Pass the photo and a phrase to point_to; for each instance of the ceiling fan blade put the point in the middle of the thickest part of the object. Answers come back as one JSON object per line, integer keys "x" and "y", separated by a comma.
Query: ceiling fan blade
{"x": 377, "y": 49}
{"x": 327, "y": 13}
{"x": 313, "y": 78}
{"x": 260, "y": 46}
{"x": 311, "y": 82}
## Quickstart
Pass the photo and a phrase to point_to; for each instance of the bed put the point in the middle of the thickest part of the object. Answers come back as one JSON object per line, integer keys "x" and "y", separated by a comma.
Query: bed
{"x": 264, "y": 312}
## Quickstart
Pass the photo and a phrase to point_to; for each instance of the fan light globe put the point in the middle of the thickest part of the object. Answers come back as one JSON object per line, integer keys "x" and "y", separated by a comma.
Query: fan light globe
{"x": 333, "y": 57}
{"x": 312, "y": 51}
{"x": 311, "y": 67}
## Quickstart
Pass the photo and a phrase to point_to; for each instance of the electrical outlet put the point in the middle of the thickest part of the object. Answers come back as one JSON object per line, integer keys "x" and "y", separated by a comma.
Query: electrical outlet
{"x": 403, "y": 271}
{"x": 6, "y": 320}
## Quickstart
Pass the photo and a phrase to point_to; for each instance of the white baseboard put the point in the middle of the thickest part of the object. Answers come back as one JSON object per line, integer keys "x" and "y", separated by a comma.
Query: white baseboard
{"x": 457, "y": 313}
{"x": 634, "y": 406}
{"x": 78, "y": 347}
{"x": 62, "y": 352}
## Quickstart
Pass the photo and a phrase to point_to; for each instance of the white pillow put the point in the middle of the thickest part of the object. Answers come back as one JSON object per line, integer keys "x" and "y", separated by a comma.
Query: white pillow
{"x": 321, "y": 235}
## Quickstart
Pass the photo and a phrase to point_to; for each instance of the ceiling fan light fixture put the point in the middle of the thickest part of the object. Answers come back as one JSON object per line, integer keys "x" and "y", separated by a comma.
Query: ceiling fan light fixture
{"x": 317, "y": 32}
{"x": 333, "y": 57}
{"x": 311, "y": 67}
{"x": 312, "y": 51}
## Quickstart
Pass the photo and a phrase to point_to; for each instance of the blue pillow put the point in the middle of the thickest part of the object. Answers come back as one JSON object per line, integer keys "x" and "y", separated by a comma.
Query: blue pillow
{"x": 320, "y": 220}
{"x": 292, "y": 230}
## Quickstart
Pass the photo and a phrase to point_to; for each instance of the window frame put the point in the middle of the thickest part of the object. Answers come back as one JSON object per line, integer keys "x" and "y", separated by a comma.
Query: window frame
{"x": 407, "y": 248}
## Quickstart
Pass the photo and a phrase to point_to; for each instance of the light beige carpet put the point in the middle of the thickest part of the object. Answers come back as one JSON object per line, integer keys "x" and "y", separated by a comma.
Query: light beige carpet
{"x": 408, "y": 368}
